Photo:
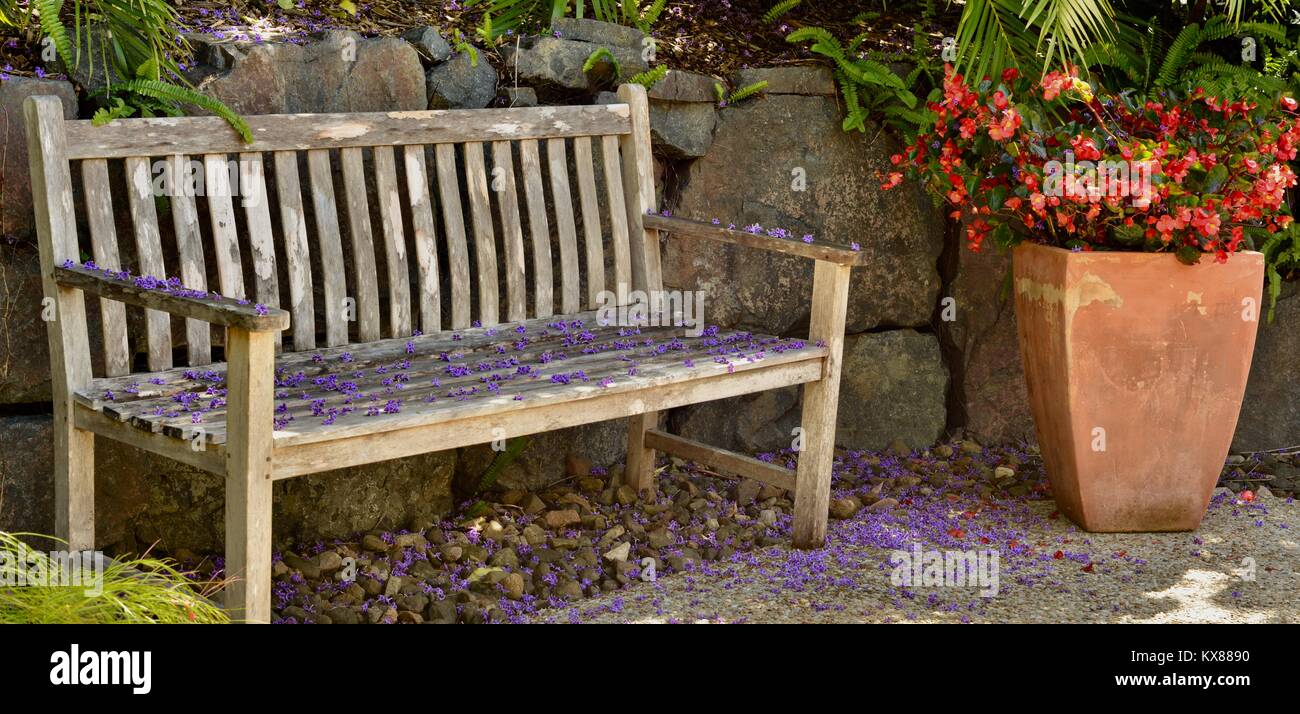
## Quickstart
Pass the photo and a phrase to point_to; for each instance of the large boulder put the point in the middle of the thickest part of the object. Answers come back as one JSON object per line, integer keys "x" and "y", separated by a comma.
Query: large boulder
{"x": 683, "y": 114}
{"x": 555, "y": 62}
{"x": 339, "y": 73}
{"x": 764, "y": 151}
{"x": 542, "y": 462}
{"x": 750, "y": 424}
{"x": 811, "y": 80}
{"x": 989, "y": 377}
{"x": 142, "y": 499}
{"x": 16, "y": 218}
{"x": 24, "y": 349}
{"x": 893, "y": 387}
{"x": 1270, "y": 416}
{"x": 466, "y": 81}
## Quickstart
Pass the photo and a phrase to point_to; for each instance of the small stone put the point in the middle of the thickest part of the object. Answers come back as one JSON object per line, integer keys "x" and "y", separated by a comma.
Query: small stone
{"x": 451, "y": 553}
{"x": 329, "y": 561}
{"x": 393, "y": 586}
{"x": 504, "y": 558}
{"x": 374, "y": 543}
{"x": 575, "y": 465}
{"x": 533, "y": 504}
{"x": 519, "y": 96}
{"x": 943, "y": 451}
{"x": 343, "y": 616}
{"x": 1263, "y": 492}
{"x": 769, "y": 491}
{"x": 514, "y": 585}
{"x": 619, "y": 553}
{"x": 746, "y": 491}
{"x": 556, "y": 520}
{"x": 1002, "y": 473}
{"x": 441, "y": 612}
{"x": 569, "y": 589}
{"x": 767, "y": 517}
{"x": 884, "y": 504}
{"x": 406, "y": 617}
{"x": 900, "y": 448}
{"x": 625, "y": 495}
{"x": 660, "y": 538}
{"x": 590, "y": 484}
{"x": 969, "y": 446}
{"x": 842, "y": 508}
{"x": 534, "y": 534}
{"x": 309, "y": 570}
{"x": 429, "y": 42}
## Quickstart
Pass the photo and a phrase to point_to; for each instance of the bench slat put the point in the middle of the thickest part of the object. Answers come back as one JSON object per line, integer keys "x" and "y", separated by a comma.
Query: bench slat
{"x": 485, "y": 252}
{"x": 261, "y": 238}
{"x": 425, "y": 235}
{"x": 591, "y": 233}
{"x": 298, "y": 132}
{"x": 297, "y": 253}
{"x": 539, "y": 230}
{"x": 453, "y": 222}
{"x": 639, "y": 189}
{"x": 189, "y": 246}
{"x": 225, "y": 237}
{"x": 503, "y": 182}
{"x": 148, "y": 248}
{"x": 558, "y": 168}
{"x": 617, "y": 214}
{"x": 366, "y": 279}
{"x": 103, "y": 240}
{"x": 333, "y": 271}
{"x": 390, "y": 219}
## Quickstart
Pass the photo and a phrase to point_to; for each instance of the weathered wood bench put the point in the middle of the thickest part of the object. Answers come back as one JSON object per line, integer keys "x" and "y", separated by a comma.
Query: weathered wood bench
{"x": 456, "y": 362}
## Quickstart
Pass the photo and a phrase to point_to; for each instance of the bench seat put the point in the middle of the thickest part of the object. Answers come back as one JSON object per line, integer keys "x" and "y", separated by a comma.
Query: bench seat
{"x": 506, "y": 373}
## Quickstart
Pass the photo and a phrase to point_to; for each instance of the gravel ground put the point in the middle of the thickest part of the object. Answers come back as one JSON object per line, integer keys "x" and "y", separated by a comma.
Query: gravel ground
{"x": 1048, "y": 571}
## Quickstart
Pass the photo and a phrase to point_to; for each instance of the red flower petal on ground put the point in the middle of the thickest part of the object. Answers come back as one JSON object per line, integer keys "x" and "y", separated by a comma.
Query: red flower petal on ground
{"x": 957, "y": 533}
{"x": 1058, "y": 555}
{"x": 1247, "y": 496}
{"x": 1087, "y": 568}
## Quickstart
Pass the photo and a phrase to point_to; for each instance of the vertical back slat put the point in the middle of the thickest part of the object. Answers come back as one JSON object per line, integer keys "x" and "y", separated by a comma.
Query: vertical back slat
{"x": 363, "y": 245}
{"x": 261, "y": 240}
{"x": 148, "y": 247}
{"x": 103, "y": 241}
{"x": 189, "y": 247}
{"x": 485, "y": 251}
{"x": 539, "y": 229}
{"x": 425, "y": 235}
{"x": 297, "y": 254}
{"x": 503, "y": 171}
{"x": 454, "y": 224}
{"x": 390, "y": 218}
{"x": 592, "y": 239}
{"x": 639, "y": 190}
{"x": 331, "y": 246}
{"x": 617, "y": 214}
{"x": 221, "y": 217}
{"x": 558, "y": 166}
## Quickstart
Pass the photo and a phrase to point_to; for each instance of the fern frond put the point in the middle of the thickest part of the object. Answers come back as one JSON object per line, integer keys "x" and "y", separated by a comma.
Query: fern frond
{"x": 781, "y": 8}
{"x": 649, "y": 78}
{"x": 172, "y": 93}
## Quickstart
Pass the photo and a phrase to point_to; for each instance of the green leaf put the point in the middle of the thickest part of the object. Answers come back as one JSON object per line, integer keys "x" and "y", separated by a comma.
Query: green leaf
{"x": 1189, "y": 255}
{"x": 285, "y": 4}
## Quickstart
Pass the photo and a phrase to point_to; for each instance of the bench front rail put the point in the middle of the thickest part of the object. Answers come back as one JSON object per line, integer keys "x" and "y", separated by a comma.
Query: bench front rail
{"x": 353, "y": 288}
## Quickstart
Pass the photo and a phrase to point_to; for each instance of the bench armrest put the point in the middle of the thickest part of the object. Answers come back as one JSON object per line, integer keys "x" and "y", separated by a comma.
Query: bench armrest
{"x": 175, "y": 300}
{"x": 840, "y": 255}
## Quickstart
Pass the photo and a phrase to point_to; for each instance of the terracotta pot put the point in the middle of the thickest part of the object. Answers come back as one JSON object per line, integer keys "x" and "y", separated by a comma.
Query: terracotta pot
{"x": 1136, "y": 365}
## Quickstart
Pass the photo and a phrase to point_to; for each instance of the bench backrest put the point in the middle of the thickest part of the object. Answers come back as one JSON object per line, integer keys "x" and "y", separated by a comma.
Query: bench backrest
{"x": 423, "y": 217}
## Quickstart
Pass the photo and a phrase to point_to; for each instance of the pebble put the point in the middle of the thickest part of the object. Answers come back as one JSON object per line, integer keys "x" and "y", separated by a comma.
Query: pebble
{"x": 556, "y": 520}
{"x": 619, "y": 553}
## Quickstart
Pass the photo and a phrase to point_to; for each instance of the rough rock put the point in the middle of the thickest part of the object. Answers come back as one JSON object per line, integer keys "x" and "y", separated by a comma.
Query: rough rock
{"x": 24, "y": 350}
{"x": 339, "y": 73}
{"x": 519, "y": 96}
{"x": 989, "y": 379}
{"x": 760, "y": 149}
{"x": 558, "y": 62}
{"x": 606, "y": 34}
{"x": 462, "y": 82}
{"x": 16, "y": 218}
{"x": 750, "y": 424}
{"x": 1270, "y": 414}
{"x": 89, "y": 73}
{"x": 893, "y": 386}
{"x": 682, "y": 130}
{"x": 542, "y": 462}
{"x": 680, "y": 86}
{"x": 812, "y": 80}
{"x": 429, "y": 42}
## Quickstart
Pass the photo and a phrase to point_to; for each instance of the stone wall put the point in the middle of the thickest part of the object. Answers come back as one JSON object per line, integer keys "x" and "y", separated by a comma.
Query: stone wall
{"x": 911, "y": 376}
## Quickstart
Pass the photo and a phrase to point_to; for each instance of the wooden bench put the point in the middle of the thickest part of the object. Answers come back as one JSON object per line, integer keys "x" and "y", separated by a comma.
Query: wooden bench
{"x": 456, "y": 361}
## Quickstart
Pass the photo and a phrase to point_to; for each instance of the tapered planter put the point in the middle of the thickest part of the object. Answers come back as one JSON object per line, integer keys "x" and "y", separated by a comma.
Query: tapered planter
{"x": 1136, "y": 366}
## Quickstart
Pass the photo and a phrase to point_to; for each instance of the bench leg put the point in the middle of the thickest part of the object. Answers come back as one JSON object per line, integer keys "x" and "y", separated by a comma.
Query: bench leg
{"x": 74, "y": 483}
{"x": 640, "y": 471}
{"x": 820, "y": 402}
{"x": 249, "y": 383}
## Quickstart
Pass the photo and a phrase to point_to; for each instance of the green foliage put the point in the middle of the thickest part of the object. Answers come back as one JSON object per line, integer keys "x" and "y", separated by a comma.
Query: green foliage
{"x": 726, "y": 99}
{"x": 153, "y": 98}
{"x": 778, "y": 10}
{"x": 649, "y": 78}
{"x": 134, "y": 591}
{"x": 460, "y": 44}
{"x": 596, "y": 58}
{"x": 537, "y": 15}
